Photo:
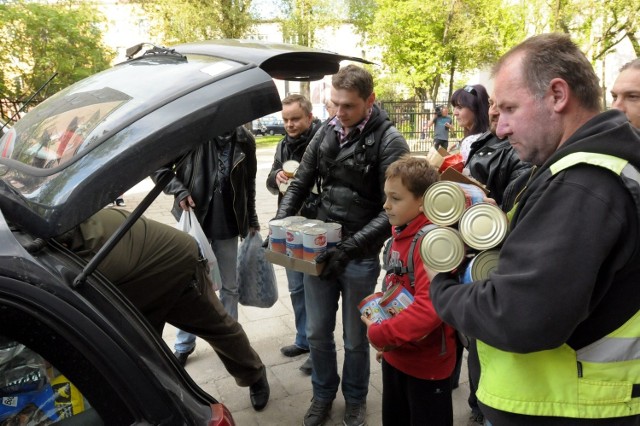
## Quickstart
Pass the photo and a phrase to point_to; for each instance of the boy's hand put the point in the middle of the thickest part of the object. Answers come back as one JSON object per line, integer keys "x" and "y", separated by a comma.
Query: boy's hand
{"x": 379, "y": 356}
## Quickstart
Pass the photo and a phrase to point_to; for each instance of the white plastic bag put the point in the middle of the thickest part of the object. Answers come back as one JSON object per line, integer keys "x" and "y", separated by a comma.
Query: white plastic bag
{"x": 256, "y": 277}
{"x": 189, "y": 224}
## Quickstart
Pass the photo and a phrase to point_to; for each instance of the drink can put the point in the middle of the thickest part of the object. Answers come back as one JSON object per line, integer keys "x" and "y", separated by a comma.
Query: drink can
{"x": 314, "y": 242}
{"x": 483, "y": 226}
{"x": 334, "y": 233}
{"x": 480, "y": 266}
{"x": 442, "y": 249}
{"x": 444, "y": 202}
{"x": 395, "y": 300}
{"x": 290, "y": 167}
{"x": 370, "y": 308}
{"x": 294, "y": 240}
{"x": 277, "y": 235}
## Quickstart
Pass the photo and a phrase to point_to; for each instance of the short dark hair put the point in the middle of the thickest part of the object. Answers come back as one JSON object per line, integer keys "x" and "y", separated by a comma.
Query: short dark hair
{"x": 554, "y": 55}
{"x": 415, "y": 173}
{"x": 476, "y": 99}
{"x": 303, "y": 101}
{"x": 355, "y": 78}
{"x": 634, "y": 64}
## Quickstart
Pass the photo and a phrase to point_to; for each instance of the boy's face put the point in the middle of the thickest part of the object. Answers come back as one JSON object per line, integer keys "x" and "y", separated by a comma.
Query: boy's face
{"x": 401, "y": 205}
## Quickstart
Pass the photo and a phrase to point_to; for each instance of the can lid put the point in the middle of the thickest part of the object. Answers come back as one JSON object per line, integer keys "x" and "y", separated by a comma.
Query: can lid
{"x": 443, "y": 203}
{"x": 483, "y": 226}
{"x": 442, "y": 249}
{"x": 314, "y": 230}
{"x": 369, "y": 298}
{"x": 295, "y": 219}
{"x": 483, "y": 263}
{"x": 314, "y": 222}
{"x": 278, "y": 222}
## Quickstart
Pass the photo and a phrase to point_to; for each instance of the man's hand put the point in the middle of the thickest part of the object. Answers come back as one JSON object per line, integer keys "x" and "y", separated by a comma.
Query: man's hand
{"x": 335, "y": 261}
{"x": 255, "y": 229}
{"x": 281, "y": 177}
{"x": 187, "y": 202}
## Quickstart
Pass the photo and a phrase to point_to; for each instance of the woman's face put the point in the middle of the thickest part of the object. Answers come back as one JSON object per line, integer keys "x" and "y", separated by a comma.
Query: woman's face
{"x": 465, "y": 116}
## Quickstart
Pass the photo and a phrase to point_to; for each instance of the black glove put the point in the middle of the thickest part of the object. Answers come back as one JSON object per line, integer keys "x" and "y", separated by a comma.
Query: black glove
{"x": 335, "y": 261}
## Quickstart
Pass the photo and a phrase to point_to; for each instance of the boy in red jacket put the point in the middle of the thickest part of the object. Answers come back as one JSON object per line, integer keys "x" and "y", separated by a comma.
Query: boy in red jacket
{"x": 418, "y": 350}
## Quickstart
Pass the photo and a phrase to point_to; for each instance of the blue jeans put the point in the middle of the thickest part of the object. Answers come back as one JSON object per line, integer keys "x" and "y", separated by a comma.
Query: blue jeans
{"x": 321, "y": 296}
{"x": 226, "y": 252}
{"x": 296, "y": 291}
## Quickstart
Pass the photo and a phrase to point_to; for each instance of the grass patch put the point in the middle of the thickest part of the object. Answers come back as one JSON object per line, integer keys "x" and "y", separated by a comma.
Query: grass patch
{"x": 267, "y": 141}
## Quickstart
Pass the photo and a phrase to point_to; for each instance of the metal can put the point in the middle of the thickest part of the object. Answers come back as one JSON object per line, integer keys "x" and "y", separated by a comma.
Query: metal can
{"x": 284, "y": 186}
{"x": 290, "y": 167}
{"x": 294, "y": 240}
{"x": 395, "y": 300}
{"x": 442, "y": 249}
{"x": 483, "y": 226}
{"x": 277, "y": 236}
{"x": 314, "y": 242}
{"x": 334, "y": 233}
{"x": 294, "y": 219}
{"x": 370, "y": 308}
{"x": 313, "y": 222}
{"x": 444, "y": 202}
{"x": 480, "y": 266}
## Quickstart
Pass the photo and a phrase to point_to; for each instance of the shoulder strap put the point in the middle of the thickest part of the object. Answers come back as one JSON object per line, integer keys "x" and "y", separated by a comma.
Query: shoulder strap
{"x": 408, "y": 269}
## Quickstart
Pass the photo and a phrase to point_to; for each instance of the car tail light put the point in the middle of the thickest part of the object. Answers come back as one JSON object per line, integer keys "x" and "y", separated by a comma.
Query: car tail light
{"x": 220, "y": 416}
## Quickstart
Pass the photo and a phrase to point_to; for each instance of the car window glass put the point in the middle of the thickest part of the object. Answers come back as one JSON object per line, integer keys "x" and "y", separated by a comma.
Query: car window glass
{"x": 34, "y": 392}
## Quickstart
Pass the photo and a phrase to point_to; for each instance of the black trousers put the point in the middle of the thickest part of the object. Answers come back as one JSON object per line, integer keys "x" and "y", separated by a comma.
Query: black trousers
{"x": 409, "y": 401}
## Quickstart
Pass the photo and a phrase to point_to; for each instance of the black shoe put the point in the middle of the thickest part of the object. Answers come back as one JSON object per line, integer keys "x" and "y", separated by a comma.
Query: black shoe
{"x": 259, "y": 392}
{"x": 293, "y": 350}
{"x": 307, "y": 367}
{"x": 317, "y": 414}
{"x": 477, "y": 417}
{"x": 120, "y": 202}
{"x": 182, "y": 356}
{"x": 355, "y": 415}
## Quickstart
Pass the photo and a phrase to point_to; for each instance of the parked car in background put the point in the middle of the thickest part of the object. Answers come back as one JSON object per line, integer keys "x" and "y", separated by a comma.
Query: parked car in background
{"x": 73, "y": 349}
{"x": 268, "y": 125}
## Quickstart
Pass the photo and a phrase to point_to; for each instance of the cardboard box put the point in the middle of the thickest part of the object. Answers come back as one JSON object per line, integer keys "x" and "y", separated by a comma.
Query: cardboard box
{"x": 299, "y": 265}
{"x": 453, "y": 175}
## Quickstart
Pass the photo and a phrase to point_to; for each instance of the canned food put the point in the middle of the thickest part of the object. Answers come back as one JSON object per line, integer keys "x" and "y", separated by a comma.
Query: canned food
{"x": 284, "y": 186}
{"x": 314, "y": 242}
{"x": 294, "y": 219}
{"x": 334, "y": 233}
{"x": 395, "y": 300}
{"x": 294, "y": 240}
{"x": 277, "y": 236}
{"x": 313, "y": 222}
{"x": 444, "y": 202}
{"x": 480, "y": 266}
{"x": 370, "y": 308}
{"x": 483, "y": 226}
{"x": 442, "y": 249}
{"x": 290, "y": 167}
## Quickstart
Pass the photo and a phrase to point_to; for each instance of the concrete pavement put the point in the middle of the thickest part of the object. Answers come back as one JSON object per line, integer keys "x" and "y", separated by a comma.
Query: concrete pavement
{"x": 268, "y": 330}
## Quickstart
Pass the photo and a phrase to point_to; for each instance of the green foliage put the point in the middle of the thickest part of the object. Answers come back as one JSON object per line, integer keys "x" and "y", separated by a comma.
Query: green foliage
{"x": 303, "y": 18}
{"x": 38, "y": 40}
{"x": 179, "y": 21}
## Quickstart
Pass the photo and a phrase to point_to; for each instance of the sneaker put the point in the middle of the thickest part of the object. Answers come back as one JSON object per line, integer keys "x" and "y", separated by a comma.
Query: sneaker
{"x": 317, "y": 414}
{"x": 355, "y": 414}
{"x": 307, "y": 367}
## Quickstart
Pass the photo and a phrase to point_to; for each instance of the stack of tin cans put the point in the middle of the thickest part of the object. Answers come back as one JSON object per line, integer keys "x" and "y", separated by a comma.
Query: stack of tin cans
{"x": 465, "y": 227}
{"x": 302, "y": 238}
{"x": 380, "y": 306}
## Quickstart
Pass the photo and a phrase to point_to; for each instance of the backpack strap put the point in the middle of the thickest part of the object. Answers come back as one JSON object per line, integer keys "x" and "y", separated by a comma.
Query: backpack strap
{"x": 408, "y": 269}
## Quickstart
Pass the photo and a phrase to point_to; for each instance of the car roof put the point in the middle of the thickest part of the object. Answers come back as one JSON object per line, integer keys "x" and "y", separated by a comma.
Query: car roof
{"x": 87, "y": 144}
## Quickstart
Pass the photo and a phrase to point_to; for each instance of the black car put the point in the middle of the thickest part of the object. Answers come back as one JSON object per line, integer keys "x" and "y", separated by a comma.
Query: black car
{"x": 73, "y": 349}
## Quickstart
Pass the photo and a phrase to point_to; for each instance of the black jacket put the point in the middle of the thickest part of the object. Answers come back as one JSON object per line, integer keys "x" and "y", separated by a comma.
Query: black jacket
{"x": 568, "y": 271}
{"x": 352, "y": 182}
{"x": 494, "y": 163}
{"x": 196, "y": 176}
{"x": 290, "y": 149}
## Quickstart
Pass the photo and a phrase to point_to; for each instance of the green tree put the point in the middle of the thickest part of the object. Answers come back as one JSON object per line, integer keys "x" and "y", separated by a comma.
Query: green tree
{"x": 38, "y": 40}
{"x": 179, "y": 21}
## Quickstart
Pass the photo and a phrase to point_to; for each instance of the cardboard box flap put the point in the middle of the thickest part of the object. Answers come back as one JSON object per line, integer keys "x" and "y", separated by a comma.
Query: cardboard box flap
{"x": 293, "y": 263}
{"x": 453, "y": 175}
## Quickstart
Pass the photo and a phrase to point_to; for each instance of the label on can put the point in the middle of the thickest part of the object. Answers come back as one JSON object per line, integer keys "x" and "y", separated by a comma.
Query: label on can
{"x": 480, "y": 266}
{"x": 370, "y": 308}
{"x": 442, "y": 249}
{"x": 483, "y": 226}
{"x": 277, "y": 236}
{"x": 395, "y": 300}
{"x": 334, "y": 233}
{"x": 294, "y": 240}
{"x": 314, "y": 242}
{"x": 444, "y": 202}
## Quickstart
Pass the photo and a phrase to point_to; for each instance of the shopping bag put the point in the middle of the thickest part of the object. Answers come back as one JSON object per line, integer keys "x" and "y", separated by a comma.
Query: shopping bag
{"x": 256, "y": 277}
{"x": 189, "y": 224}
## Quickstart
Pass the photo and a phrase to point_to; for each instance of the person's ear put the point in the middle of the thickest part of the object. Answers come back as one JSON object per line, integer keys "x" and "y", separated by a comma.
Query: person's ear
{"x": 421, "y": 200}
{"x": 561, "y": 92}
{"x": 370, "y": 100}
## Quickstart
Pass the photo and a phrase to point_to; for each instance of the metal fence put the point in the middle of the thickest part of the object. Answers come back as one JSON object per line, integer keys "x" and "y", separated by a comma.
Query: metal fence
{"x": 411, "y": 119}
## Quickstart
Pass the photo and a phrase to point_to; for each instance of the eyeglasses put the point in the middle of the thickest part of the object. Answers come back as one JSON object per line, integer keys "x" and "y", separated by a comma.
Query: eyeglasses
{"x": 470, "y": 89}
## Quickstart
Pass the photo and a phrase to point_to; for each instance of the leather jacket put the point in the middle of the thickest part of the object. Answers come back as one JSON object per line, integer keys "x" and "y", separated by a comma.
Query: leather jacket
{"x": 494, "y": 163}
{"x": 352, "y": 182}
{"x": 196, "y": 175}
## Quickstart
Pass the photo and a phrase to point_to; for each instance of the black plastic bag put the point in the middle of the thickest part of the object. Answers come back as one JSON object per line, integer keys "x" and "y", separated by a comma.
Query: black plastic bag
{"x": 256, "y": 278}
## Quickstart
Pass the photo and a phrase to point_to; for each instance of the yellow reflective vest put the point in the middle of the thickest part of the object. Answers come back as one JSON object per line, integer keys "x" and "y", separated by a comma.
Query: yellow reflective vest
{"x": 601, "y": 380}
